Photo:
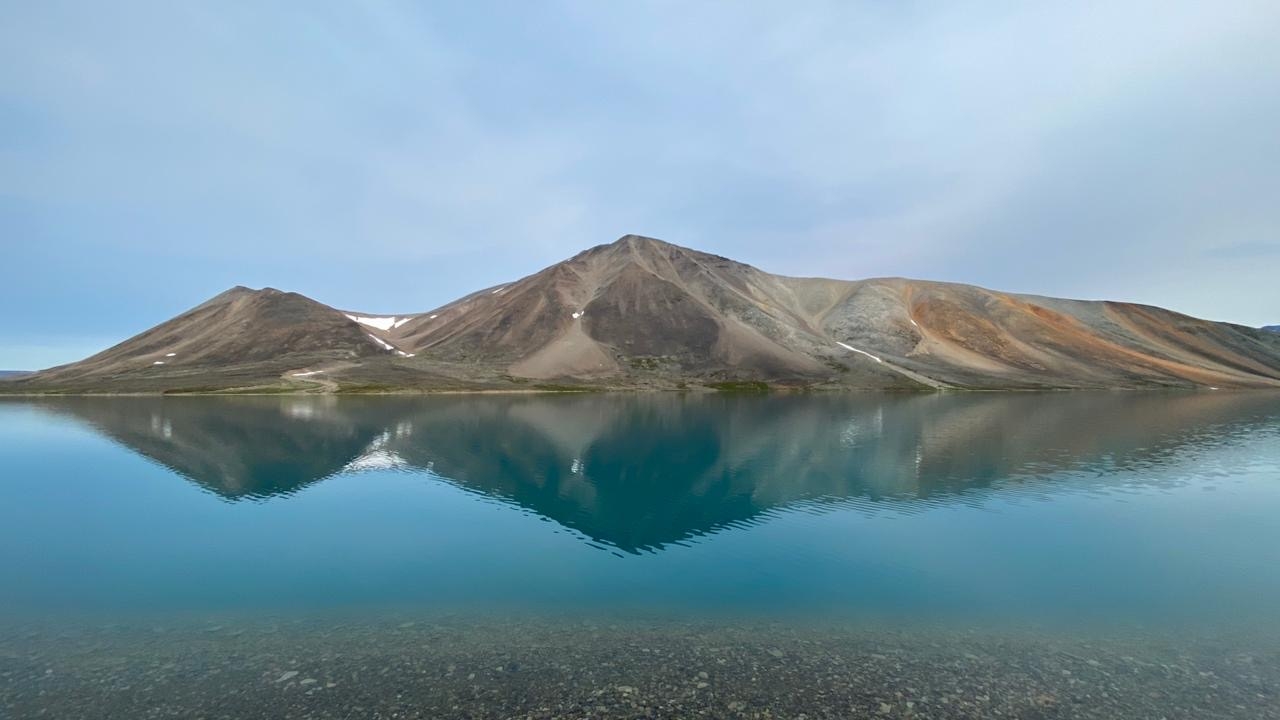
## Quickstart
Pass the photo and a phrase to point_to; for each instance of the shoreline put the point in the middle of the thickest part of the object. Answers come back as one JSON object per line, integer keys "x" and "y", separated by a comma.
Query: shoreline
{"x": 632, "y": 391}
{"x": 421, "y": 667}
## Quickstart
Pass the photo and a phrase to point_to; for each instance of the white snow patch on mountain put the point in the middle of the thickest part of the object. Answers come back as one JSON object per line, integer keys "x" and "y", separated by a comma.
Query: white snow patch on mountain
{"x": 382, "y": 323}
{"x": 854, "y": 349}
{"x": 385, "y": 345}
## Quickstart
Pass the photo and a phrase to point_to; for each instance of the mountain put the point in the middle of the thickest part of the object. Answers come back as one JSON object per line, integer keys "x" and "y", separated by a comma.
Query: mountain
{"x": 642, "y": 313}
{"x": 1271, "y": 328}
{"x": 241, "y": 336}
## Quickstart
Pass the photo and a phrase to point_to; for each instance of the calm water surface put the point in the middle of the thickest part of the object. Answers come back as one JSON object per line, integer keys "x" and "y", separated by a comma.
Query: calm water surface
{"x": 1099, "y": 514}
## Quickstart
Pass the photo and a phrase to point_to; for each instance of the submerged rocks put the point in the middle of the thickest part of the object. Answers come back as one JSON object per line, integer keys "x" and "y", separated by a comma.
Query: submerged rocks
{"x": 485, "y": 668}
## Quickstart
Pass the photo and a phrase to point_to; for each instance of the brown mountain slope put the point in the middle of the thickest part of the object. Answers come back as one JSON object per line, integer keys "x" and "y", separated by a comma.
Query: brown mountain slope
{"x": 640, "y": 309}
{"x": 971, "y": 337}
{"x": 640, "y": 312}
{"x": 240, "y": 337}
{"x": 644, "y": 311}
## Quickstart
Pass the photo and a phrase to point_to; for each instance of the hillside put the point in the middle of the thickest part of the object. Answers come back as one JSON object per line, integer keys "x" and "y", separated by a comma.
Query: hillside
{"x": 642, "y": 313}
{"x": 241, "y": 337}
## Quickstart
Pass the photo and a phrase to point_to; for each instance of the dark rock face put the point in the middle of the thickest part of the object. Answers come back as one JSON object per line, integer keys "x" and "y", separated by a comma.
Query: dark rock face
{"x": 640, "y": 312}
{"x": 620, "y": 316}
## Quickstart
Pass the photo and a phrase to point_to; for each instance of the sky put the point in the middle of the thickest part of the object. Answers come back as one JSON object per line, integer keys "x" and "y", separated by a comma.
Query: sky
{"x": 391, "y": 156}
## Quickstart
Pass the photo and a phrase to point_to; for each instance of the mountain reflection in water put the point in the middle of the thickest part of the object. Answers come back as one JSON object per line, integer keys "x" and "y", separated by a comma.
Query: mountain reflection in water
{"x": 639, "y": 472}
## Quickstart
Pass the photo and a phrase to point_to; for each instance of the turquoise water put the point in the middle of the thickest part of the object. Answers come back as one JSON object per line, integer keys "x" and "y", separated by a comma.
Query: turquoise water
{"x": 1065, "y": 555}
{"x": 1054, "y": 509}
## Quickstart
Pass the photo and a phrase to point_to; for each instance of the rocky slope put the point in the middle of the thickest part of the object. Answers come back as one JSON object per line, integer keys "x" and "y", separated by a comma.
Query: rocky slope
{"x": 640, "y": 312}
{"x": 240, "y": 337}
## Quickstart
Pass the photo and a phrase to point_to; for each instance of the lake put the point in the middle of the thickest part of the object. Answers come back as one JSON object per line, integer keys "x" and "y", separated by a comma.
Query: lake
{"x": 595, "y": 555}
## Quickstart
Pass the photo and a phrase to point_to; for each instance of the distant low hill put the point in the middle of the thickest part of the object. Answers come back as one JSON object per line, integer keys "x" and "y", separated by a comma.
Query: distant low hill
{"x": 642, "y": 313}
{"x": 1271, "y": 328}
{"x": 8, "y": 374}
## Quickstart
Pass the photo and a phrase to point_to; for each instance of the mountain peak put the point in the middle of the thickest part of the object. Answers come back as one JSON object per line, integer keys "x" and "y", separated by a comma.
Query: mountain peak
{"x": 633, "y": 240}
{"x": 648, "y": 247}
{"x": 226, "y": 296}
{"x": 236, "y": 291}
{"x": 641, "y": 245}
{"x": 631, "y": 247}
{"x": 239, "y": 290}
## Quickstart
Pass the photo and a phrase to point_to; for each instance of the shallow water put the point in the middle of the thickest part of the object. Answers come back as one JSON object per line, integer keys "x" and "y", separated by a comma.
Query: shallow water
{"x": 1061, "y": 555}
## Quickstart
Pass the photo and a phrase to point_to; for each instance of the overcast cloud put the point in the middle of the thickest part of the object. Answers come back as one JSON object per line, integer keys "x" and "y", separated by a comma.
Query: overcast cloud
{"x": 388, "y": 156}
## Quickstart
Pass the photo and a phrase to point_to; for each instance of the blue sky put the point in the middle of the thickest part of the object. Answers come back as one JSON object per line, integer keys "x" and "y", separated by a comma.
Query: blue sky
{"x": 388, "y": 156}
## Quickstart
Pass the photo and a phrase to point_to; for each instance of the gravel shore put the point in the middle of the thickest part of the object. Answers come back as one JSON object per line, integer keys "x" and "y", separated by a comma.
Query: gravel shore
{"x": 458, "y": 668}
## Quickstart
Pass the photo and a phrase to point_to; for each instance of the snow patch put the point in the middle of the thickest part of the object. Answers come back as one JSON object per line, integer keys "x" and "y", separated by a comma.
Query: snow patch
{"x": 913, "y": 322}
{"x": 854, "y": 349}
{"x": 382, "y": 323}
{"x": 170, "y": 354}
{"x": 433, "y": 317}
{"x": 158, "y": 362}
{"x": 400, "y": 322}
{"x": 385, "y": 345}
{"x": 388, "y": 346}
{"x": 495, "y": 292}
{"x": 578, "y": 314}
{"x": 306, "y": 374}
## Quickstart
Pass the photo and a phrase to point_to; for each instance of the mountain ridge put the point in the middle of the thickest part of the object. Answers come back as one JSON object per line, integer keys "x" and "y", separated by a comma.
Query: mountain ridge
{"x": 642, "y": 313}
